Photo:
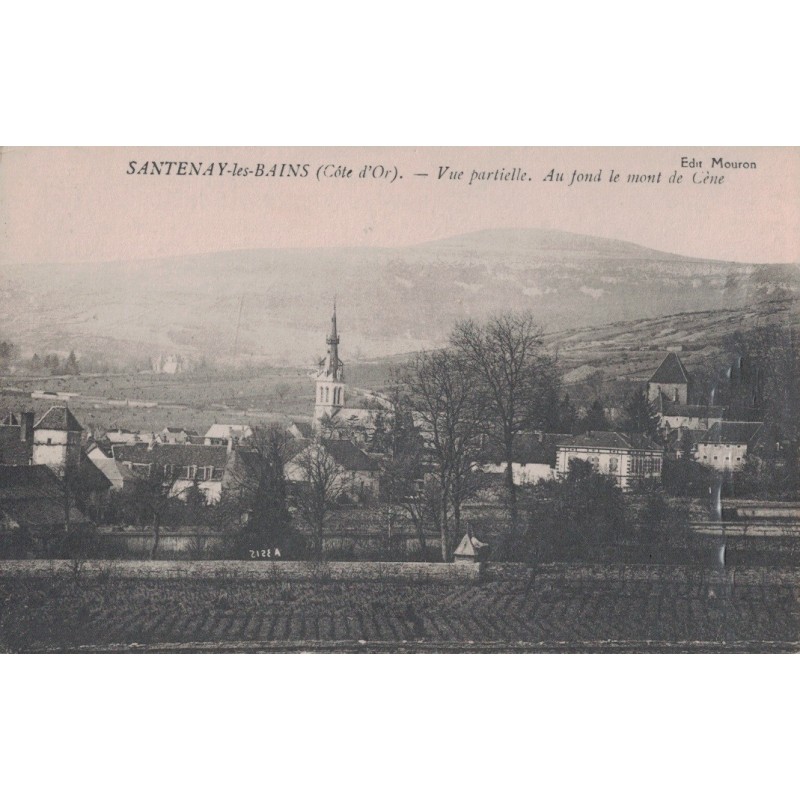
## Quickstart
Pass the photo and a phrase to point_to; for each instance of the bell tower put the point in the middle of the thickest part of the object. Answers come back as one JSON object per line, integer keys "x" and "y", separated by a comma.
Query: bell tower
{"x": 330, "y": 378}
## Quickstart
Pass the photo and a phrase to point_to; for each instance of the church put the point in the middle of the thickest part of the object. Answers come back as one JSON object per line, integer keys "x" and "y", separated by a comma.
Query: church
{"x": 332, "y": 413}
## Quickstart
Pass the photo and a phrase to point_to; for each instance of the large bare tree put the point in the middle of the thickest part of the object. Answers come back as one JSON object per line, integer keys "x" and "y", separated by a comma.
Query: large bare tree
{"x": 320, "y": 488}
{"x": 403, "y": 470}
{"x": 444, "y": 401}
{"x": 516, "y": 374}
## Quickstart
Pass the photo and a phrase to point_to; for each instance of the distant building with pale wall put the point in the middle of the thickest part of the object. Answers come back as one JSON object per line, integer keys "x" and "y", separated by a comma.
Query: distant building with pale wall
{"x": 625, "y": 457}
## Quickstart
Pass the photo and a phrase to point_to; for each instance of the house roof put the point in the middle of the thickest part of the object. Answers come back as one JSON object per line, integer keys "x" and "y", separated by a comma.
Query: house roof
{"x": 671, "y": 370}
{"x": 20, "y": 481}
{"x": 528, "y": 448}
{"x": 179, "y": 455}
{"x": 732, "y": 432}
{"x": 677, "y": 439}
{"x": 251, "y": 459}
{"x": 679, "y": 410}
{"x": 91, "y": 476}
{"x": 223, "y": 431}
{"x": 12, "y": 450}
{"x": 305, "y": 428}
{"x": 115, "y": 471}
{"x": 58, "y": 418}
{"x": 348, "y": 456}
{"x": 610, "y": 440}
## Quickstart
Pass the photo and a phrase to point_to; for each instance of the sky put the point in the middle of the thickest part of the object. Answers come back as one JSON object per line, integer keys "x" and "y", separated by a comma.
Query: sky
{"x": 67, "y": 205}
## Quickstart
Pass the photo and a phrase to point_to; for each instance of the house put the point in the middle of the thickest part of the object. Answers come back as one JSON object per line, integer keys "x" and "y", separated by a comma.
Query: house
{"x": 54, "y": 442}
{"x": 227, "y": 435}
{"x": 673, "y": 416}
{"x": 179, "y": 465}
{"x": 121, "y": 477}
{"x": 16, "y": 439}
{"x": 669, "y": 382}
{"x": 726, "y": 444}
{"x": 57, "y": 440}
{"x": 247, "y": 469}
{"x": 357, "y": 473}
{"x": 122, "y": 436}
{"x": 175, "y": 435}
{"x": 625, "y": 457}
{"x": 534, "y": 457}
{"x": 169, "y": 364}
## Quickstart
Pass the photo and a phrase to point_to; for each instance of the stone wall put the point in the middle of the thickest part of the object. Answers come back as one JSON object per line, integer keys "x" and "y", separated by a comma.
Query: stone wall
{"x": 255, "y": 570}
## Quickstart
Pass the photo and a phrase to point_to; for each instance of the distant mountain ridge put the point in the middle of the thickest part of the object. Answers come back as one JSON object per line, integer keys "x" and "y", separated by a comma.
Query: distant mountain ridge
{"x": 274, "y": 305}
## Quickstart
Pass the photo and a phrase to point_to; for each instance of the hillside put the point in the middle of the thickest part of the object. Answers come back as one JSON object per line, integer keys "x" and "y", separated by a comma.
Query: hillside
{"x": 390, "y": 300}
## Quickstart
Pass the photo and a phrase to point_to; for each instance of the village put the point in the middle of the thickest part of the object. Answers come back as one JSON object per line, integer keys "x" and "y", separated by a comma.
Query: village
{"x": 438, "y": 467}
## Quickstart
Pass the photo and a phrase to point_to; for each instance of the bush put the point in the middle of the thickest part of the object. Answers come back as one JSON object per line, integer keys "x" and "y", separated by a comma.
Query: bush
{"x": 574, "y": 517}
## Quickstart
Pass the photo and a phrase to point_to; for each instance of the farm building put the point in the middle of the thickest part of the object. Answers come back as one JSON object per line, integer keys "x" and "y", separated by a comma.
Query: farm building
{"x": 726, "y": 444}
{"x": 180, "y": 465}
{"x": 534, "y": 457}
{"x": 227, "y": 435}
{"x": 122, "y": 436}
{"x": 120, "y": 476}
{"x": 54, "y": 442}
{"x": 358, "y": 473}
{"x": 176, "y": 435}
{"x": 57, "y": 440}
{"x": 672, "y": 416}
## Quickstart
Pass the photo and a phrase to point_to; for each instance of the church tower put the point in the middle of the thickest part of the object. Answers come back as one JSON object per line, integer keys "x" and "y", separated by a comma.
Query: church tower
{"x": 330, "y": 379}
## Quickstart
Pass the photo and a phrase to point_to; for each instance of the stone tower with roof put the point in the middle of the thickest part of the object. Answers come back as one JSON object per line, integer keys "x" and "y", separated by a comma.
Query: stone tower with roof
{"x": 330, "y": 385}
{"x": 669, "y": 382}
{"x": 57, "y": 440}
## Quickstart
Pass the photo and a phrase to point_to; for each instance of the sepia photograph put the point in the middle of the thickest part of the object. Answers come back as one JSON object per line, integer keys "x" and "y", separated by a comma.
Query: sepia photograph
{"x": 399, "y": 400}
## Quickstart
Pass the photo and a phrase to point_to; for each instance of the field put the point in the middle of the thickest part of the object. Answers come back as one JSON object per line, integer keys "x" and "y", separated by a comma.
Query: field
{"x": 190, "y": 400}
{"x": 559, "y": 610}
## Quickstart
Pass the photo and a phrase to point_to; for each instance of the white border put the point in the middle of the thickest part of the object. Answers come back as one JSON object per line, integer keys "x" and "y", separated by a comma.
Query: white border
{"x": 412, "y": 73}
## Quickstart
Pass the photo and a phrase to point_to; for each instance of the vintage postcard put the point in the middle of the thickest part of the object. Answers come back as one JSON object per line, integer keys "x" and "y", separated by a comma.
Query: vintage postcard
{"x": 403, "y": 400}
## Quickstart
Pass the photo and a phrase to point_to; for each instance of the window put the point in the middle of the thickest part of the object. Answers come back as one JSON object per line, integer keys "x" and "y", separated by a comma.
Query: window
{"x": 613, "y": 464}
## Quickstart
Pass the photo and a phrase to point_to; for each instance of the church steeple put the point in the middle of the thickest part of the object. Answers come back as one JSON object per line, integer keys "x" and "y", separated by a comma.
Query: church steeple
{"x": 335, "y": 368}
{"x": 330, "y": 378}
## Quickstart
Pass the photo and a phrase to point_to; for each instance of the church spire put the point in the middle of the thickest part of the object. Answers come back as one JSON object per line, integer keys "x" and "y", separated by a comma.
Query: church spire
{"x": 330, "y": 378}
{"x": 334, "y": 366}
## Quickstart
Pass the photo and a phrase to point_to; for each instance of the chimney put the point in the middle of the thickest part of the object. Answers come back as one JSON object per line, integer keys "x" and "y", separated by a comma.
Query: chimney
{"x": 26, "y": 426}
